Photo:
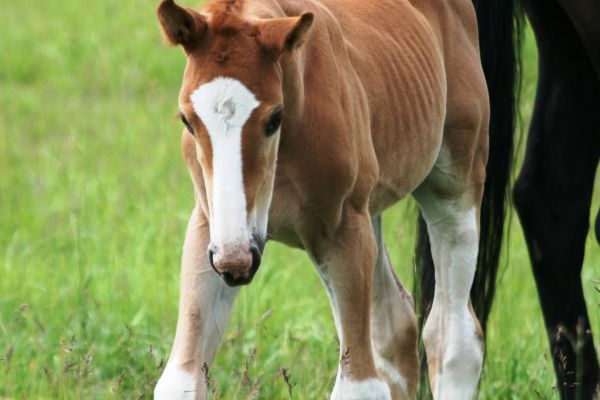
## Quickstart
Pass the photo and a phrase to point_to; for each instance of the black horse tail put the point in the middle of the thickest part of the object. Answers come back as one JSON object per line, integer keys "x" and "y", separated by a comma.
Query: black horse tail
{"x": 500, "y": 23}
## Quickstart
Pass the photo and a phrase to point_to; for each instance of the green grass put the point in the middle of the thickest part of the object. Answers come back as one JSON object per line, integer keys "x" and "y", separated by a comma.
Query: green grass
{"x": 94, "y": 200}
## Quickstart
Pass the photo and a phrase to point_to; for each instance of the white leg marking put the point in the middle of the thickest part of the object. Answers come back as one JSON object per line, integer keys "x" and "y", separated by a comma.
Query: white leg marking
{"x": 454, "y": 240}
{"x": 175, "y": 384}
{"x": 462, "y": 361}
{"x": 369, "y": 389}
{"x": 224, "y": 105}
{"x": 392, "y": 318}
{"x": 391, "y": 373}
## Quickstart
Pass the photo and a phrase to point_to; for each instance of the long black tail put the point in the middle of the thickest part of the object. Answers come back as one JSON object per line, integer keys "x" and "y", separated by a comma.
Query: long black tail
{"x": 500, "y": 23}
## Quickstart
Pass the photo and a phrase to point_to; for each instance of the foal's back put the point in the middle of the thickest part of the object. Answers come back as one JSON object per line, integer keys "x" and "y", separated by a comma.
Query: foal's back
{"x": 396, "y": 59}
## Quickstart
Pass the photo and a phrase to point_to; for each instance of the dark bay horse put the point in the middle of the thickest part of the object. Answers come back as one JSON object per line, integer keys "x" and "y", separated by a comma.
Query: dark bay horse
{"x": 553, "y": 192}
{"x": 304, "y": 120}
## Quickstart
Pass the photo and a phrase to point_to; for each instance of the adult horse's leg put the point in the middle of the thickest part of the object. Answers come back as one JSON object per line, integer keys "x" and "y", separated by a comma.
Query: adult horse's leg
{"x": 204, "y": 309}
{"x": 346, "y": 267}
{"x": 553, "y": 192}
{"x": 585, "y": 15}
{"x": 452, "y": 335}
{"x": 393, "y": 326}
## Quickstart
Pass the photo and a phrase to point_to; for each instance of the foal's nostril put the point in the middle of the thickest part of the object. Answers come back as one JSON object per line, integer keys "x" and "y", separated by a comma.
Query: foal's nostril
{"x": 211, "y": 255}
{"x": 229, "y": 279}
{"x": 255, "y": 258}
{"x": 236, "y": 267}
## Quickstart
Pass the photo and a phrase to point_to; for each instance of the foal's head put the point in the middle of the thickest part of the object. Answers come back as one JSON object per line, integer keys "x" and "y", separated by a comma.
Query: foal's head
{"x": 231, "y": 101}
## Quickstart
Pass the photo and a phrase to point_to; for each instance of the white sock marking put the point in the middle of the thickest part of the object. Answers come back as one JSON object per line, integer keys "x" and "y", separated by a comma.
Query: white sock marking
{"x": 175, "y": 384}
{"x": 385, "y": 367}
{"x": 369, "y": 389}
{"x": 454, "y": 240}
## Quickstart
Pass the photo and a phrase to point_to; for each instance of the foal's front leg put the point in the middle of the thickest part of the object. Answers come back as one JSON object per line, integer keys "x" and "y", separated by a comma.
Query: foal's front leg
{"x": 346, "y": 268}
{"x": 204, "y": 308}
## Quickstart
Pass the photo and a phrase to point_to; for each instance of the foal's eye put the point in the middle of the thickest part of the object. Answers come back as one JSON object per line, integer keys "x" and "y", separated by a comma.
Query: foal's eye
{"x": 274, "y": 122}
{"x": 186, "y": 123}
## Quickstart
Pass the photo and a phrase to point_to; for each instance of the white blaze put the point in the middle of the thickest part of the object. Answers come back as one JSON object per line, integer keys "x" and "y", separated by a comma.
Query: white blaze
{"x": 224, "y": 105}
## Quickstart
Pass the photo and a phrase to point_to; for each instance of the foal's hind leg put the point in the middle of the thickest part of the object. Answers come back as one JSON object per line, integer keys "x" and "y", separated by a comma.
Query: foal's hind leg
{"x": 450, "y": 200}
{"x": 452, "y": 335}
{"x": 204, "y": 308}
{"x": 393, "y": 326}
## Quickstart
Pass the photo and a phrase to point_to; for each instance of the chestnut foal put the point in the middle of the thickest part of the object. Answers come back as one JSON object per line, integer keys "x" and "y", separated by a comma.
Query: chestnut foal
{"x": 305, "y": 119}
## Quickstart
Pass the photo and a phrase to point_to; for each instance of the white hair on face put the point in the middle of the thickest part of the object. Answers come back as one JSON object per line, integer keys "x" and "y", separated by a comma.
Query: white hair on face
{"x": 224, "y": 105}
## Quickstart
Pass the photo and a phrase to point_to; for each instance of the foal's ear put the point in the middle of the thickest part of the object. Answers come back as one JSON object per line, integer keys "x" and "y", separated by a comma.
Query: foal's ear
{"x": 284, "y": 34}
{"x": 180, "y": 25}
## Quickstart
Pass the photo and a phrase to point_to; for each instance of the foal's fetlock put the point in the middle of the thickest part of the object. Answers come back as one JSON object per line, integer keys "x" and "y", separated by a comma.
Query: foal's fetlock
{"x": 367, "y": 389}
{"x": 455, "y": 370}
{"x": 176, "y": 384}
{"x": 467, "y": 362}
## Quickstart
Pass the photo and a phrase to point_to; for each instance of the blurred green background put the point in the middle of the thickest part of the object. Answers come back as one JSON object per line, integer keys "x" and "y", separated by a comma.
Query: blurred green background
{"x": 94, "y": 199}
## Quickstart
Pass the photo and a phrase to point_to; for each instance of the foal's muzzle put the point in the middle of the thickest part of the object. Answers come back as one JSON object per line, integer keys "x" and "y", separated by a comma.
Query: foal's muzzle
{"x": 236, "y": 265}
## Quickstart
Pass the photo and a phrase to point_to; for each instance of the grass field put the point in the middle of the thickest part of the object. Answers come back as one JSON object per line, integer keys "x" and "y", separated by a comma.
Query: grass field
{"x": 94, "y": 200}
